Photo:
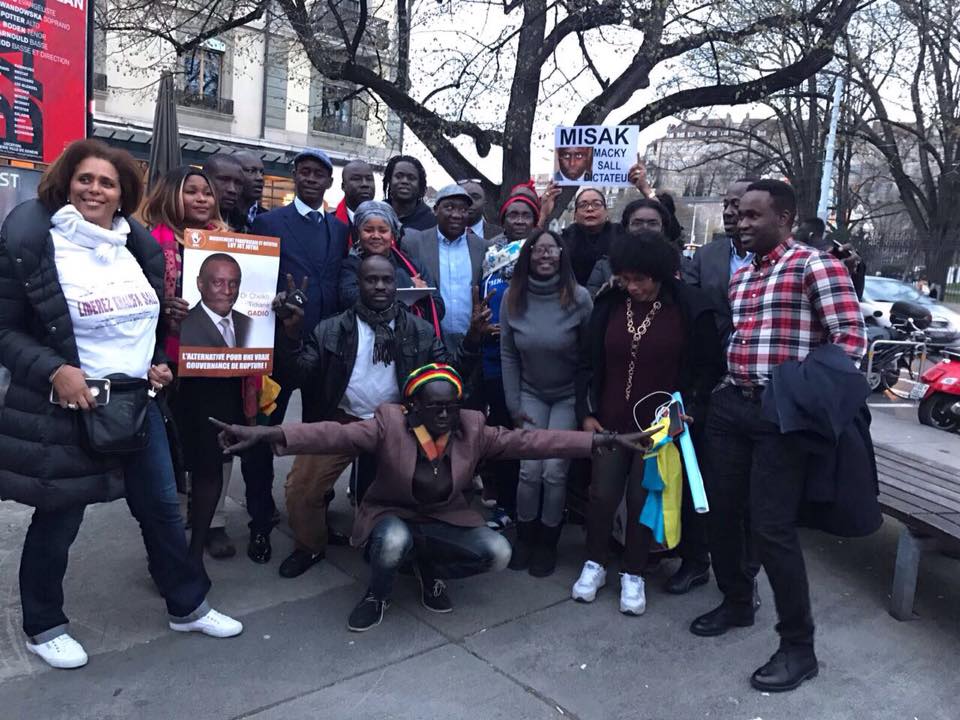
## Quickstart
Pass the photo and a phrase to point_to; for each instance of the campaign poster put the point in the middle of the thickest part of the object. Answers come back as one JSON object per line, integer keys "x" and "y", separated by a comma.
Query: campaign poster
{"x": 595, "y": 154}
{"x": 229, "y": 282}
{"x": 43, "y": 77}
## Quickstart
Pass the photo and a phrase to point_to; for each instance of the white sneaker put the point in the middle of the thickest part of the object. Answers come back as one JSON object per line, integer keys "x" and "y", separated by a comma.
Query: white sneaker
{"x": 213, "y": 624}
{"x": 633, "y": 599}
{"x": 592, "y": 578}
{"x": 62, "y": 652}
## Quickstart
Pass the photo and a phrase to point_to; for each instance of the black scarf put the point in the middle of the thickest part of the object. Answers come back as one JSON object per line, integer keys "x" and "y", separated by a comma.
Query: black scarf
{"x": 384, "y": 339}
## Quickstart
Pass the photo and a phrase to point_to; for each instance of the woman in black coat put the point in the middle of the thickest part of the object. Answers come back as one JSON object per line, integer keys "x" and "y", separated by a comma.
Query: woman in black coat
{"x": 79, "y": 299}
{"x": 648, "y": 335}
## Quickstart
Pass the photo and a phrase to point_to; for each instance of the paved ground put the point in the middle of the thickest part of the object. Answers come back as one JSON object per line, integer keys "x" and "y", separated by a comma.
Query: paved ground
{"x": 514, "y": 648}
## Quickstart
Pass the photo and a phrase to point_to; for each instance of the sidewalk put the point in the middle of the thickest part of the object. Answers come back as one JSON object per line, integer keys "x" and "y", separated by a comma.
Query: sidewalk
{"x": 514, "y": 648}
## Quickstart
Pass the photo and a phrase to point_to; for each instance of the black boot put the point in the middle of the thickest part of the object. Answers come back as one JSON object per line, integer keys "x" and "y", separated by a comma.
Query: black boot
{"x": 527, "y": 531}
{"x": 544, "y": 559}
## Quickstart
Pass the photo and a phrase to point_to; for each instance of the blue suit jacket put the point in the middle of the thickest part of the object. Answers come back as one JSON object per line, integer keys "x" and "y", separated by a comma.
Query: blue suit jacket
{"x": 308, "y": 249}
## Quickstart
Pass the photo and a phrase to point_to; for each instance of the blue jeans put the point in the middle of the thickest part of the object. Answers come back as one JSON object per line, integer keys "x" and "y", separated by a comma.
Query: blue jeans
{"x": 439, "y": 550}
{"x": 151, "y": 495}
{"x": 256, "y": 466}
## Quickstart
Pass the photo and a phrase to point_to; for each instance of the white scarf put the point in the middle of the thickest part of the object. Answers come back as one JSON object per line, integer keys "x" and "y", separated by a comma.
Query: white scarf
{"x": 69, "y": 224}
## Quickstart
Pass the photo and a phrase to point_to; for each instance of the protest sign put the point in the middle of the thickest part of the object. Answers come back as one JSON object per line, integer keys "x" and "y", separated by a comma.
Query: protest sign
{"x": 595, "y": 154}
{"x": 229, "y": 281}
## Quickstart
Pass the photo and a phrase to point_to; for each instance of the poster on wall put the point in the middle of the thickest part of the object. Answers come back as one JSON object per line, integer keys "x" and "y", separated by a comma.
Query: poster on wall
{"x": 595, "y": 154}
{"x": 43, "y": 77}
{"x": 229, "y": 282}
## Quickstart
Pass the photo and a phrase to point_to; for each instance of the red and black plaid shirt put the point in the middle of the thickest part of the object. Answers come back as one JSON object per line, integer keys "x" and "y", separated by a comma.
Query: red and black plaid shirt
{"x": 784, "y": 305}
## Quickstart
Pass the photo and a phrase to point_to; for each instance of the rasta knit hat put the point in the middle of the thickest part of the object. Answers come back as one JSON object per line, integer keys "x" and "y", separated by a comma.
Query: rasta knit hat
{"x": 428, "y": 373}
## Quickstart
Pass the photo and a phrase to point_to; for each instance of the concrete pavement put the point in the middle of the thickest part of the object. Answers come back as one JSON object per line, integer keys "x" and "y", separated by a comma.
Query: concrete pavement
{"x": 514, "y": 647}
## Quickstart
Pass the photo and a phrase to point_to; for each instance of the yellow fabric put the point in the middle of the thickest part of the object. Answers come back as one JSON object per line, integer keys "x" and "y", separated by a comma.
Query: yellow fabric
{"x": 670, "y": 469}
{"x": 267, "y": 398}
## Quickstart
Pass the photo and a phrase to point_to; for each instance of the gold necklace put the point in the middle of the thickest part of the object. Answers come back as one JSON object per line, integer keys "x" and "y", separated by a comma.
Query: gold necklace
{"x": 636, "y": 333}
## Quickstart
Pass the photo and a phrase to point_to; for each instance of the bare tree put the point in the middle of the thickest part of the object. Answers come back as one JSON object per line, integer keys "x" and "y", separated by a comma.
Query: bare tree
{"x": 496, "y": 66}
{"x": 905, "y": 55}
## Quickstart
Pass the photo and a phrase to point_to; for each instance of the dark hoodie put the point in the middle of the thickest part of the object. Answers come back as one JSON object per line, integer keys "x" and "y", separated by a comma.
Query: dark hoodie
{"x": 422, "y": 218}
{"x": 586, "y": 248}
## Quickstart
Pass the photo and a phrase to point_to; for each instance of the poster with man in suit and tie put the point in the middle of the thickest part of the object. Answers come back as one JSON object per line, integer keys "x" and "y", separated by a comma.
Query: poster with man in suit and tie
{"x": 229, "y": 281}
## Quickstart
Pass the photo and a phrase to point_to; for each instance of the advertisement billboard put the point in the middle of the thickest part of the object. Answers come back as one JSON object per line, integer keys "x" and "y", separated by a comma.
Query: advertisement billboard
{"x": 43, "y": 77}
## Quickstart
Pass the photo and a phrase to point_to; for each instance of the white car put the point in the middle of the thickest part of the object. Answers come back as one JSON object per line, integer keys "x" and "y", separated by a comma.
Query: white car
{"x": 880, "y": 293}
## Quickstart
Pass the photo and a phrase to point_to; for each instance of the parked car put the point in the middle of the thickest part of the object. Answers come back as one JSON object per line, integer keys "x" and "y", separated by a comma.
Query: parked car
{"x": 881, "y": 293}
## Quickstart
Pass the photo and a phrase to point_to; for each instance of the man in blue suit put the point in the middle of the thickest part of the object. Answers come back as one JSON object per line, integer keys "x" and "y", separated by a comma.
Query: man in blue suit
{"x": 312, "y": 245}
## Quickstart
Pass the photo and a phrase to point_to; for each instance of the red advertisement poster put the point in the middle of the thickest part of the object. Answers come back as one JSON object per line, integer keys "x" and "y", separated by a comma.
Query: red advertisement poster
{"x": 43, "y": 77}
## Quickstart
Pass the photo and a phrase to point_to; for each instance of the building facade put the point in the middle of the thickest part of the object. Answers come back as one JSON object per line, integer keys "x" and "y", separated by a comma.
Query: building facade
{"x": 253, "y": 89}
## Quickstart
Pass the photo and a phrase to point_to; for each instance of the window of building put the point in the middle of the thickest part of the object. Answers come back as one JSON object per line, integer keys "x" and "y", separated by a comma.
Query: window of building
{"x": 99, "y": 46}
{"x": 276, "y": 83}
{"x": 334, "y": 109}
{"x": 201, "y": 73}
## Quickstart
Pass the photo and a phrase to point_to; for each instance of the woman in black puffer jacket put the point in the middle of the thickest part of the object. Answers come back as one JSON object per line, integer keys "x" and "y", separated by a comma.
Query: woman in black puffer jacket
{"x": 79, "y": 288}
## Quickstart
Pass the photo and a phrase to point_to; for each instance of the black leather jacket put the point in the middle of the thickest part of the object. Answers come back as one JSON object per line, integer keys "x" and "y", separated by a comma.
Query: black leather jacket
{"x": 322, "y": 364}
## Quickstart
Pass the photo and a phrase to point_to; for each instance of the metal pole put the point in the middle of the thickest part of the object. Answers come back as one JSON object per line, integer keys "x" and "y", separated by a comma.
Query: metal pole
{"x": 822, "y": 211}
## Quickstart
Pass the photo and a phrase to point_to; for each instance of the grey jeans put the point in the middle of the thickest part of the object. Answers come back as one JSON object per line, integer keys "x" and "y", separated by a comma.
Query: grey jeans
{"x": 546, "y": 476}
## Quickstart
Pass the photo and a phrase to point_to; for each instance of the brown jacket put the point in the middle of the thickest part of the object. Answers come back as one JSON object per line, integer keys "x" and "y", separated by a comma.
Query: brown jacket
{"x": 388, "y": 436}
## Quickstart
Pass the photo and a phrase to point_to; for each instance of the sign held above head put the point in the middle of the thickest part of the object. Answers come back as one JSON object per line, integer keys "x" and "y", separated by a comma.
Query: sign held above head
{"x": 595, "y": 154}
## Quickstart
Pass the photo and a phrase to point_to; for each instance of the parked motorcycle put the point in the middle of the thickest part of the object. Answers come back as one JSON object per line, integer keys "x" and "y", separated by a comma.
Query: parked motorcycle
{"x": 940, "y": 388}
{"x": 907, "y": 324}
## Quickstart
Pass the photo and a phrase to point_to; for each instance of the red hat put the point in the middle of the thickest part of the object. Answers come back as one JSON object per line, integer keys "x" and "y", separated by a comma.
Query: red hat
{"x": 517, "y": 195}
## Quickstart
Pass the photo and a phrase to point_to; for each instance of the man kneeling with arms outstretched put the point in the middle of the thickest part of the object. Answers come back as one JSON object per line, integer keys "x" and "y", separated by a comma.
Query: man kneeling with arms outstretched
{"x": 427, "y": 450}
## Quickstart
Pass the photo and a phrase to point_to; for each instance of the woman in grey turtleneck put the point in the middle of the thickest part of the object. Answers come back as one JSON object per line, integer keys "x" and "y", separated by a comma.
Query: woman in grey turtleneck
{"x": 542, "y": 318}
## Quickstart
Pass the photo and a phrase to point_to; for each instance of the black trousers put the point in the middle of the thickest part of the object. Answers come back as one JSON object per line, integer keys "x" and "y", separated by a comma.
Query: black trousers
{"x": 752, "y": 467}
{"x": 693, "y": 546}
{"x": 256, "y": 466}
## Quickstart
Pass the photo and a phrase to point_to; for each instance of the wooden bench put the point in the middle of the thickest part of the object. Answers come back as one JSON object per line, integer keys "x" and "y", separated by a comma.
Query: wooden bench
{"x": 925, "y": 497}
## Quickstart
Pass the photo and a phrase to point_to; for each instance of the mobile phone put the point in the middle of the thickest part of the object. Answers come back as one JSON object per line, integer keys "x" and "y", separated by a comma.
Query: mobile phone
{"x": 99, "y": 388}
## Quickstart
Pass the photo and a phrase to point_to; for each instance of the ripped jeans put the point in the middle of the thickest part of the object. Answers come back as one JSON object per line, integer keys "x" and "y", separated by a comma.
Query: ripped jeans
{"x": 438, "y": 549}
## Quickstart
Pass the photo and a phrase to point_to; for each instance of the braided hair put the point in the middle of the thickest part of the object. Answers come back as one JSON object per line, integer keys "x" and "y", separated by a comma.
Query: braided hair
{"x": 388, "y": 174}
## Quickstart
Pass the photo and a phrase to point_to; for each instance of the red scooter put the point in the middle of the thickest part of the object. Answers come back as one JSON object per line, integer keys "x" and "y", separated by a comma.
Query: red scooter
{"x": 940, "y": 391}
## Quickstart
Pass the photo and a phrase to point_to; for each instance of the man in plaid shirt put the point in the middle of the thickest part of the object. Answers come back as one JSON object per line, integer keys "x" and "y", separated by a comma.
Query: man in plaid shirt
{"x": 789, "y": 300}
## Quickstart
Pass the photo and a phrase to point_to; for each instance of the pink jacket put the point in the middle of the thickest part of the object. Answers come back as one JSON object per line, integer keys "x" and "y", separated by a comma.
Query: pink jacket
{"x": 390, "y": 439}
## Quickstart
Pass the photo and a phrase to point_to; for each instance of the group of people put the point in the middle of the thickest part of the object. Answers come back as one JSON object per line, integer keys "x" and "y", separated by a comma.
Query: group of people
{"x": 426, "y": 343}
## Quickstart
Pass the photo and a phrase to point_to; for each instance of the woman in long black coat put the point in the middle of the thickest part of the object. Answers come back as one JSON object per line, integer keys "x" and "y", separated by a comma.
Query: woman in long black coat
{"x": 79, "y": 299}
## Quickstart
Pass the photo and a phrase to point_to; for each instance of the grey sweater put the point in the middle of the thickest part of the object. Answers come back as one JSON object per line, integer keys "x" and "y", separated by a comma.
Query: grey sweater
{"x": 538, "y": 350}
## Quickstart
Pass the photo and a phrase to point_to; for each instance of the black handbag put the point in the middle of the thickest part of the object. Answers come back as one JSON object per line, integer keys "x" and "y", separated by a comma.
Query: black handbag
{"x": 119, "y": 426}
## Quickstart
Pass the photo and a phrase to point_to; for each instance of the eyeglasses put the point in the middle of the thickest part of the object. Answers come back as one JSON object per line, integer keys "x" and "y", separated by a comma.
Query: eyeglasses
{"x": 478, "y": 181}
{"x": 591, "y": 205}
{"x": 542, "y": 252}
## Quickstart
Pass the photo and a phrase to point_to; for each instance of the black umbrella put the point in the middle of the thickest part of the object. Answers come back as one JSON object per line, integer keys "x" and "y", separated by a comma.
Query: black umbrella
{"x": 165, "y": 144}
